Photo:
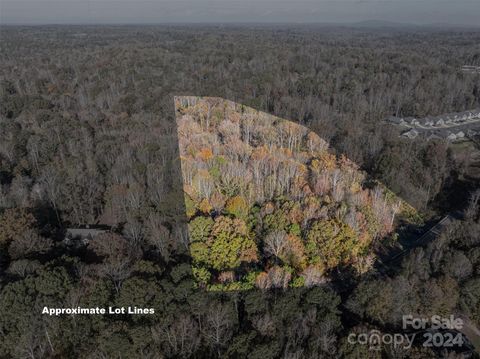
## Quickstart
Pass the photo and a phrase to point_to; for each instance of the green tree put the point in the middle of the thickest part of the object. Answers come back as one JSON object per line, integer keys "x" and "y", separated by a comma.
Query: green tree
{"x": 223, "y": 244}
{"x": 331, "y": 242}
{"x": 228, "y": 252}
{"x": 199, "y": 229}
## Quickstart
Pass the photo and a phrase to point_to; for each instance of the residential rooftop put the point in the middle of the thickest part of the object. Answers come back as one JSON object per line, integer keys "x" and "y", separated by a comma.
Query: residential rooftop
{"x": 450, "y": 126}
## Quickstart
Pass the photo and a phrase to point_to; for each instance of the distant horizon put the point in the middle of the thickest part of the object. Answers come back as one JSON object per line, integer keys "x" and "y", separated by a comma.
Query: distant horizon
{"x": 373, "y": 23}
{"x": 461, "y": 13}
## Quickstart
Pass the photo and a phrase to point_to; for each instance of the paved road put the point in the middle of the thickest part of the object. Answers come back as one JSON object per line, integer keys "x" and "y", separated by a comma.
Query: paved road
{"x": 433, "y": 233}
{"x": 427, "y": 237}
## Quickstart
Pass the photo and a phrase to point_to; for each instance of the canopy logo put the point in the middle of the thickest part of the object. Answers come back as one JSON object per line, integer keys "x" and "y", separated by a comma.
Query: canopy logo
{"x": 375, "y": 339}
{"x": 433, "y": 332}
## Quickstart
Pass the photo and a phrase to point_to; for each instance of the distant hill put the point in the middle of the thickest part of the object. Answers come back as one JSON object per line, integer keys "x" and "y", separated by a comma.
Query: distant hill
{"x": 405, "y": 26}
{"x": 381, "y": 23}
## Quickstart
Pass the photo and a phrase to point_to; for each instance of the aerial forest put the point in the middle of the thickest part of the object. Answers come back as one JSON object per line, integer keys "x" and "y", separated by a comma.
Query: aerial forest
{"x": 255, "y": 225}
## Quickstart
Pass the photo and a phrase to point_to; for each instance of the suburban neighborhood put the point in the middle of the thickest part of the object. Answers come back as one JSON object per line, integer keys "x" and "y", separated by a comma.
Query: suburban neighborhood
{"x": 471, "y": 69}
{"x": 452, "y": 127}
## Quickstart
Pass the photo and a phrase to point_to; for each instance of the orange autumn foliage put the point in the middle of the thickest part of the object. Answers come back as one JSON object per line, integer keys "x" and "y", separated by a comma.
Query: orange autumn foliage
{"x": 205, "y": 154}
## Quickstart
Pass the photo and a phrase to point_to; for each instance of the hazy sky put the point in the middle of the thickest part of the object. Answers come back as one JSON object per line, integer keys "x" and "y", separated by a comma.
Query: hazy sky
{"x": 457, "y": 12}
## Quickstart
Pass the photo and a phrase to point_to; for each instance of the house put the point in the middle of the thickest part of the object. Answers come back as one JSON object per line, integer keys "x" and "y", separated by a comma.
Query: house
{"x": 428, "y": 121}
{"x": 83, "y": 234}
{"x": 411, "y": 134}
{"x": 433, "y": 136}
{"x": 471, "y": 69}
{"x": 461, "y": 117}
{"x": 449, "y": 119}
{"x": 472, "y": 132}
{"x": 412, "y": 121}
{"x": 438, "y": 134}
{"x": 451, "y": 127}
{"x": 396, "y": 120}
{"x": 451, "y": 136}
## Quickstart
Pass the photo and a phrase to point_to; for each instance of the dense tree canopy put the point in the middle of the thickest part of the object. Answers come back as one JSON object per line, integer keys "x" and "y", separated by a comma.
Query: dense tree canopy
{"x": 88, "y": 136}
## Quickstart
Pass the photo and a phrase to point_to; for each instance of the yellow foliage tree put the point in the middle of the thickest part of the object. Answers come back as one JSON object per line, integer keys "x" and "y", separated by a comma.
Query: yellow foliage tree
{"x": 325, "y": 161}
{"x": 237, "y": 206}
{"x": 205, "y": 206}
{"x": 331, "y": 242}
